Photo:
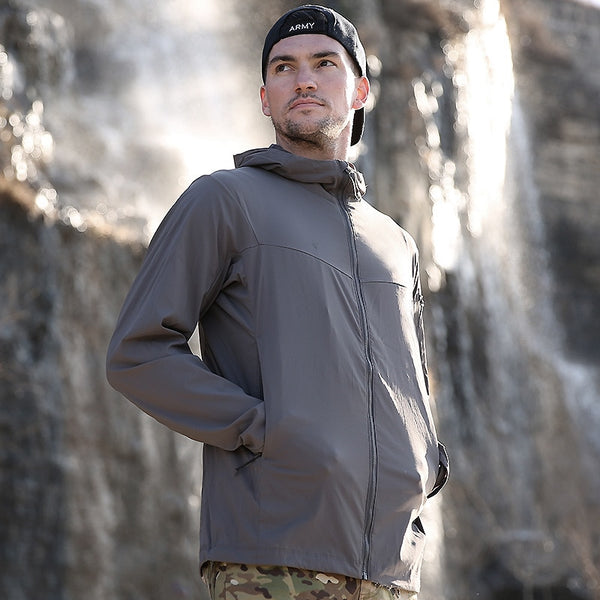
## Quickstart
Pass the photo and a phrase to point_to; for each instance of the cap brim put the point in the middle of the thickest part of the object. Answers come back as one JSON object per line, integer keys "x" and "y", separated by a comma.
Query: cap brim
{"x": 358, "y": 126}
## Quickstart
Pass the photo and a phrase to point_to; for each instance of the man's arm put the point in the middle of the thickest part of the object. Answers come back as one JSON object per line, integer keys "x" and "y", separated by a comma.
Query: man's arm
{"x": 418, "y": 305}
{"x": 149, "y": 359}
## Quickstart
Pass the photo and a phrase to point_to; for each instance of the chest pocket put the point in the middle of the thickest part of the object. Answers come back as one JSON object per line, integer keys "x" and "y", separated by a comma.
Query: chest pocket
{"x": 383, "y": 253}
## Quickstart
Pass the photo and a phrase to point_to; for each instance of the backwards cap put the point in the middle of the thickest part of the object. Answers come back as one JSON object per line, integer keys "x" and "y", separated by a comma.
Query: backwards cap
{"x": 311, "y": 18}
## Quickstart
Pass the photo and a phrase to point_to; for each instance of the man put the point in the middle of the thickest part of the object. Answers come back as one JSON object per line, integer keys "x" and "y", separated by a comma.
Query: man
{"x": 311, "y": 397}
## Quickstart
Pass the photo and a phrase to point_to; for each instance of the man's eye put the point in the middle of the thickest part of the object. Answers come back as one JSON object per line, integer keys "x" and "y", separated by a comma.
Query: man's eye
{"x": 326, "y": 63}
{"x": 281, "y": 68}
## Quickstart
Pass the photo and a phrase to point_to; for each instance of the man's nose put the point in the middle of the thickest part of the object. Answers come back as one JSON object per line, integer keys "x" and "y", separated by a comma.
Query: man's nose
{"x": 305, "y": 80}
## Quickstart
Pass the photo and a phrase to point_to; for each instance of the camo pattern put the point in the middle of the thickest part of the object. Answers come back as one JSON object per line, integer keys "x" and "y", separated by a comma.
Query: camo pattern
{"x": 227, "y": 581}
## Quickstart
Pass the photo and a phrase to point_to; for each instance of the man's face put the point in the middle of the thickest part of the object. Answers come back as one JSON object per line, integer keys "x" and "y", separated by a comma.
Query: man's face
{"x": 311, "y": 88}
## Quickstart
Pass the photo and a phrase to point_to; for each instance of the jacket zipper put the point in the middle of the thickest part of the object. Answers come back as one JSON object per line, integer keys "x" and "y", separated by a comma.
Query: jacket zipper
{"x": 372, "y": 483}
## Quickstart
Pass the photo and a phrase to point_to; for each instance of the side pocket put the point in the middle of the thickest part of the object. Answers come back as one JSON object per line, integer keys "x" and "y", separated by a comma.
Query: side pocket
{"x": 417, "y": 526}
{"x": 413, "y": 545}
{"x": 248, "y": 462}
{"x": 443, "y": 471}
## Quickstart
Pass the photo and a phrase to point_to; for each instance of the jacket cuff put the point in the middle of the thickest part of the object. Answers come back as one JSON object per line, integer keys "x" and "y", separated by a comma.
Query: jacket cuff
{"x": 443, "y": 471}
{"x": 253, "y": 437}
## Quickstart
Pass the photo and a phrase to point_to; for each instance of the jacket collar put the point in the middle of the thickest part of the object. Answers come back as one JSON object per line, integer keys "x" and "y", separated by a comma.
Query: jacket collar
{"x": 338, "y": 177}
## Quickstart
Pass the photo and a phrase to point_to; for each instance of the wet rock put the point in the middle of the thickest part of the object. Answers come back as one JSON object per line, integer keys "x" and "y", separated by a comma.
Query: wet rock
{"x": 96, "y": 499}
{"x": 484, "y": 144}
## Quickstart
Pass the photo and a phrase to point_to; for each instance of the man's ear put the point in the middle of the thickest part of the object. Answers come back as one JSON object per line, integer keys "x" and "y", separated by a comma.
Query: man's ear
{"x": 362, "y": 93}
{"x": 264, "y": 102}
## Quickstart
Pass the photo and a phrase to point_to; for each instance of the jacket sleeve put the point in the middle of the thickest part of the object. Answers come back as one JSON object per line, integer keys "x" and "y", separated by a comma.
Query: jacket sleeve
{"x": 418, "y": 306}
{"x": 443, "y": 472}
{"x": 149, "y": 360}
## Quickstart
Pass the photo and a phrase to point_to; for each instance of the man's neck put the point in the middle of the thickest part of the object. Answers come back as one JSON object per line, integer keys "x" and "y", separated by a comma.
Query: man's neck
{"x": 323, "y": 150}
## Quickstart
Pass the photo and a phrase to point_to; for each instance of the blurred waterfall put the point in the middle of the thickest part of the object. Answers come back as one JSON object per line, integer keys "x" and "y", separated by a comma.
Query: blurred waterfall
{"x": 525, "y": 409}
{"x": 143, "y": 98}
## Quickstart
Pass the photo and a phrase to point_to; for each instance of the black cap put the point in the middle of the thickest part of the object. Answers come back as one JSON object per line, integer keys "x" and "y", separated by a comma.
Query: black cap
{"x": 311, "y": 18}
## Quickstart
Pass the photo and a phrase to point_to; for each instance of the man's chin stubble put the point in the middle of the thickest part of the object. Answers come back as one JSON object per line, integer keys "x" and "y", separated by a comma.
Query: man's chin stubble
{"x": 320, "y": 137}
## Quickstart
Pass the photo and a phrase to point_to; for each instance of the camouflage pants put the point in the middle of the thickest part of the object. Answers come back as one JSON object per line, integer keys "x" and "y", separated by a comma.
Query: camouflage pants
{"x": 248, "y": 582}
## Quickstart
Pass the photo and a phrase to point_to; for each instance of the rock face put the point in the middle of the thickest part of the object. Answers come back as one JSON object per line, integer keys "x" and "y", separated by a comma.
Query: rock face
{"x": 96, "y": 500}
{"x": 556, "y": 48}
{"x": 492, "y": 162}
{"x": 484, "y": 143}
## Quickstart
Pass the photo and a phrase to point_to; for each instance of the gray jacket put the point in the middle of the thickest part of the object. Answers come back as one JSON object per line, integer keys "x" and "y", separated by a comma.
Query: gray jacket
{"x": 311, "y": 397}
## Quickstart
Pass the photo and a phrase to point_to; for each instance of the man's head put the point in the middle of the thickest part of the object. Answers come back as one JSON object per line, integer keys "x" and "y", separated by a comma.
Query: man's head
{"x": 299, "y": 46}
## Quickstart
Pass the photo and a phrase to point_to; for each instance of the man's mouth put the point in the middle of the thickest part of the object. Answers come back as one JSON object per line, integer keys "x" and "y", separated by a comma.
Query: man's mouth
{"x": 305, "y": 103}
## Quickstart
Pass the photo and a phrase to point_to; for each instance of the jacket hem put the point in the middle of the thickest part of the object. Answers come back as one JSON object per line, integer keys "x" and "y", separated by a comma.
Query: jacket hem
{"x": 323, "y": 562}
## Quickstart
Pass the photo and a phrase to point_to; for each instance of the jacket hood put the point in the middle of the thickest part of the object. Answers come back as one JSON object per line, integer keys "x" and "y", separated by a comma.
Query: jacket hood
{"x": 338, "y": 177}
